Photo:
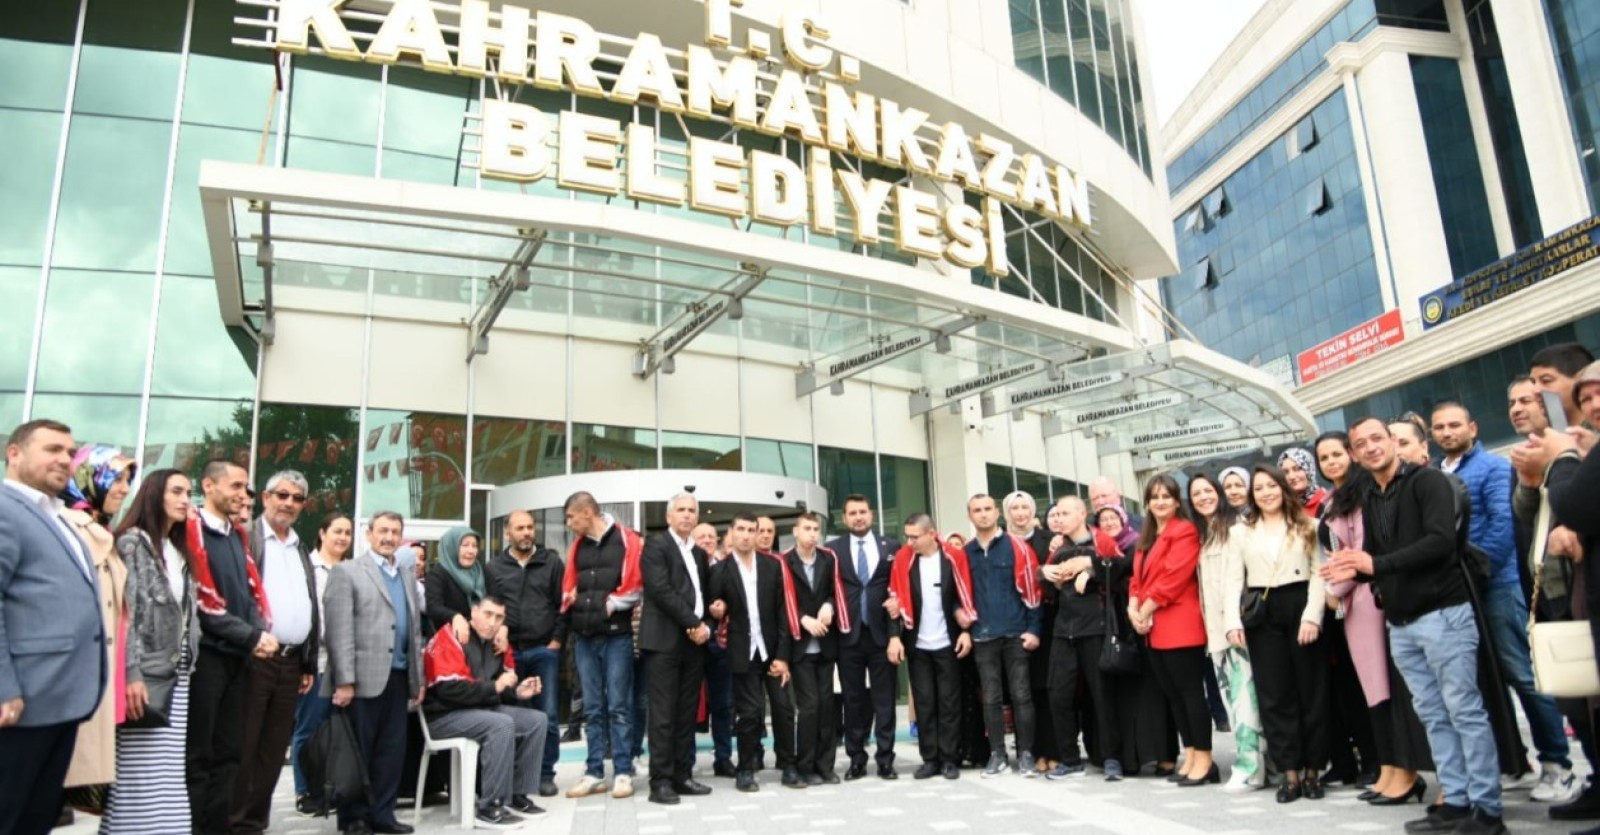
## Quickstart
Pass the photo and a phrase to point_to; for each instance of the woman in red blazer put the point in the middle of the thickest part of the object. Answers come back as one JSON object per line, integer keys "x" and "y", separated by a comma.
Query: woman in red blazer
{"x": 1164, "y": 606}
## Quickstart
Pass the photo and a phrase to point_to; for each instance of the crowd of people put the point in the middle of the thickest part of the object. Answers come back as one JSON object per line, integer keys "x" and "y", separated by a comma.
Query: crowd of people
{"x": 1360, "y": 633}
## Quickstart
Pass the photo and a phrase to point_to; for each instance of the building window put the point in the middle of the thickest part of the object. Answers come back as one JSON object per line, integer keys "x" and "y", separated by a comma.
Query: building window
{"x": 1202, "y": 275}
{"x": 597, "y": 448}
{"x": 1316, "y": 199}
{"x": 415, "y": 464}
{"x": 1216, "y": 203}
{"x": 319, "y": 441}
{"x": 505, "y": 450}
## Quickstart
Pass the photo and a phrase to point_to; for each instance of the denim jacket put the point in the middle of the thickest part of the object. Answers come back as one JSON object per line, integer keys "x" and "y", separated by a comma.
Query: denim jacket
{"x": 155, "y": 619}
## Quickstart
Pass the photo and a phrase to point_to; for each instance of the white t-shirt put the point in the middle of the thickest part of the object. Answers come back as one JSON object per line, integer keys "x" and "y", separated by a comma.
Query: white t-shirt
{"x": 932, "y": 630}
{"x": 174, "y": 564}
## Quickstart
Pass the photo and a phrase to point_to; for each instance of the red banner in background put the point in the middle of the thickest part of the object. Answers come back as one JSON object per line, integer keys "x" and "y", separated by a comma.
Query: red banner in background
{"x": 1352, "y": 346}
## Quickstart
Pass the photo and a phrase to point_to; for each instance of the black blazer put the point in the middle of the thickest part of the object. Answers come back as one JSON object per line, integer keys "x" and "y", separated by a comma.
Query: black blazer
{"x": 952, "y": 603}
{"x": 727, "y": 585}
{"x": 309, "y": 649}
{"x": 669, "y": 594}
{"x": 443, "y": 599}
{"x": 811, "y": 597}
{"x": 877, "y": 590}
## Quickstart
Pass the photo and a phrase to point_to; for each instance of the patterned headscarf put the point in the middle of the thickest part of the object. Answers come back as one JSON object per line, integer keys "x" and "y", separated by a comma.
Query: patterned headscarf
{"x": 1128, "y": 536}
{"x": 469, "y": 579}
{"x": 1302, "y": 457}
{"x": 94, "y": 469}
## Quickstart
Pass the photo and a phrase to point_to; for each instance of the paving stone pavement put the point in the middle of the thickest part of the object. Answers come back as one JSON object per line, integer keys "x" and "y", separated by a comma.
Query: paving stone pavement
{"x": 1007, "y": 805}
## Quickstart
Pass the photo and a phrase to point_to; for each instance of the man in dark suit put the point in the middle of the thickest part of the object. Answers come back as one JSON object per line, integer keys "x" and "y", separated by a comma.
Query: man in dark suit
{"x": 52, "y": 650}
{"x": 673, "y": 635}
{"x": 748, "y": 593}
{"x": 273, "y": 685}
{"x": 819, "y": 596}
{"x": 864, "y": 565}
{"x": 934, "y": 618}
{"x": 375, "y": 666}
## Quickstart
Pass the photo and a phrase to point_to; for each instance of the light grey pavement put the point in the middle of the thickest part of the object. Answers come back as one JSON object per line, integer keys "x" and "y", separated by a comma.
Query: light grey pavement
{"x": 999, "y": 806}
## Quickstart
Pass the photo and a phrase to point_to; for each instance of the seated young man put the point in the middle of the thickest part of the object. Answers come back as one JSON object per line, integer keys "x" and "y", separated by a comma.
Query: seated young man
{"x": 472, "y": 690}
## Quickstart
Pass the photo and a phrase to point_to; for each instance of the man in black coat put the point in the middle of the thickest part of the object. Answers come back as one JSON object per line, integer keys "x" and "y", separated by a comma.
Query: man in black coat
{"x": 673, "y": 634}
{"x": 528, "y": 578}
{"x": 819, "y": 595}
{"x": 937, "y": 636}
{"x": 864, "y": 565}
{"x": 748, "y": 594}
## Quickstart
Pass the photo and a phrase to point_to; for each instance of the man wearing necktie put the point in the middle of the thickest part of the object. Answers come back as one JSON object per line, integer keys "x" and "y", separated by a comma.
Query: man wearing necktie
{"x": 864, "y": 652}
{"x": 52, "y": 651}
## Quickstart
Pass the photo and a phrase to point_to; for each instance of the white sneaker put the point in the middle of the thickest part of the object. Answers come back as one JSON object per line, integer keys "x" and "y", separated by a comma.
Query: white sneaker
{"x": 623, "y": 787}
{"x": 587, "y": 786}
{"x": 1238, "y": 783}
{"x": 1556, "y": 785}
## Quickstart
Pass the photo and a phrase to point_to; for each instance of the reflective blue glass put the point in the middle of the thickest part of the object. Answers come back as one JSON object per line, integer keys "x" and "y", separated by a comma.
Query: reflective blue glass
{"x": 1575, "y": 33}
{"x": 1453, "y": 156}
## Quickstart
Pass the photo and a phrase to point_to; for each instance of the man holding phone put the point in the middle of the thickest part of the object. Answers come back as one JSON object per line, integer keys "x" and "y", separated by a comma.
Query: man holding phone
{"x": 473, "y": 693}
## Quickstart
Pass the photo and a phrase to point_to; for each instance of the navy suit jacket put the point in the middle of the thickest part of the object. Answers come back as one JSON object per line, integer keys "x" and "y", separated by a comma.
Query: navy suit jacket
{"x": 52, "y": 642}
{"x": 876, "y": 588}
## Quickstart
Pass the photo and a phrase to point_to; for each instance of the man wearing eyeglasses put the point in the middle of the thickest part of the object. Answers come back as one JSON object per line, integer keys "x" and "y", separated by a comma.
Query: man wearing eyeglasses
{"x": 274, "y": 683}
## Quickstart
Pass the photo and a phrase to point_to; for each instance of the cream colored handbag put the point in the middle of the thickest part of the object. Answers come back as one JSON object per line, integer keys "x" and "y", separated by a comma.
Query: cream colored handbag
{"x": 1563, "y": 651}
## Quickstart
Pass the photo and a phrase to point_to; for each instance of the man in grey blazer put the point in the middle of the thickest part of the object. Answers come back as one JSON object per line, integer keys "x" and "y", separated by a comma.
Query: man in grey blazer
{"x": 375, "y": 666}
{"x": 52, "y": 645}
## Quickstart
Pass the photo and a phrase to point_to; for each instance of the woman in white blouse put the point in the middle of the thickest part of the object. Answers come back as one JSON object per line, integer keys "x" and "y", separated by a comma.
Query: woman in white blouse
{"x": 1272, "y": 560}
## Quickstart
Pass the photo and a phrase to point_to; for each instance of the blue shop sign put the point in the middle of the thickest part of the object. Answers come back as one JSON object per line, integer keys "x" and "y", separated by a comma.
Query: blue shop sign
{"x": 1518, "y": 271}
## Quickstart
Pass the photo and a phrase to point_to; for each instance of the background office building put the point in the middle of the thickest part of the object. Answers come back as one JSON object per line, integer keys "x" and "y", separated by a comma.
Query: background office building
{"x": 214, "y": 246}
{"x": 1389, "y": 201}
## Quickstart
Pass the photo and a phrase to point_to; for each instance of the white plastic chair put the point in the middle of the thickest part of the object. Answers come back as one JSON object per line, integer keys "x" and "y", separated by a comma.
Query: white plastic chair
{"x": 463, "y": 773}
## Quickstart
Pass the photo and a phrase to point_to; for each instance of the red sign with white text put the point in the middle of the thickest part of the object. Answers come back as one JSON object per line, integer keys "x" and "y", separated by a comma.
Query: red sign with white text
{"x": 1352, "y": 346}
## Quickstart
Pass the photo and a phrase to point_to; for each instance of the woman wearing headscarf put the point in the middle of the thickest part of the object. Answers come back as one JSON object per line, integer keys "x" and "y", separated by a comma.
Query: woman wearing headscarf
{"x": 456, "y": 581}
{"x": 1300, "y": 470}
{"x": 1235, "y": 483}
{"x": 150, "y": 795}
{"x": 101, "y": 479}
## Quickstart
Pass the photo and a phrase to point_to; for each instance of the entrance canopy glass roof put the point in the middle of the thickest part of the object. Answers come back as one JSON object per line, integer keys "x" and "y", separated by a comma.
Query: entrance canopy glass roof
{"x": 667, "y": 284}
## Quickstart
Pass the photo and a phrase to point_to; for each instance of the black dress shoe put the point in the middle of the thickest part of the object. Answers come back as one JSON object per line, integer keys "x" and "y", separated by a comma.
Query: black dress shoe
{"x": 952, "y": 771}
{"x": 1212, "y": 776}
{"x": 829, "y": 777}
{"x": 393, "y": 828}
{"x": 357, "y": 828}
{"x": 723, "y": 768}
{"x": 813, "y": 779}
{"x": 664, "y": 795}
{"x": 1311, "y": 787}
{"x": 856, "y": 771}
{"x": 887, "y": 772}
{"x": 926, "y": 771}
{"x": 792, "y": 779}
{"x": 547, "y": 788}
{"x": 745, "y": 781}
{"x": 691, "y": 787}
{"x": 1169, "y": 771}
{"x": 1288, "y": 792}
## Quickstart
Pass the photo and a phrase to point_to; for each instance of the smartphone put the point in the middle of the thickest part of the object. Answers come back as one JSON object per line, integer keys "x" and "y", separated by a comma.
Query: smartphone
{"x": 1554, "y": 410}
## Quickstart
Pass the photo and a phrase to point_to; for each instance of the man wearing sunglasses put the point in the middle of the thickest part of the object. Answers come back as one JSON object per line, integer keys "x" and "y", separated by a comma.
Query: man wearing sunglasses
{"x": 274, "y": 684}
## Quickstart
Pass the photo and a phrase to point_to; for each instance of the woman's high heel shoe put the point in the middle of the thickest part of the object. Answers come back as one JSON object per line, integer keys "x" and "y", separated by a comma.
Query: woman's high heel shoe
{"x": 1212, "y": 776}
{"x": 1416, "y": 792}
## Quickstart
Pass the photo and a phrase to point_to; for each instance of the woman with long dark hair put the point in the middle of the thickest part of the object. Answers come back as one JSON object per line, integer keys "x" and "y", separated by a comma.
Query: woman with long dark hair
{"x": 1273, "y": 557}
{"x": 1164, "y": 583}
{"x": 163, "y": 639}
{"x": 335, "y": 536}
{"x": 1399, "y": 740}
{"x": 1215, "y": 517}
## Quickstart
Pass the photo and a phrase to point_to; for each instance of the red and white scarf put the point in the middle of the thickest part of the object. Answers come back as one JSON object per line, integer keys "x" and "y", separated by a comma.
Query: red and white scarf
{"x": 446, "y": 659}
{"x": 791, "y": 603}
{"x": 841, "y": 612}
{"x": 900, "y": 581}
{"x": 1025, "y": 568}
{"x": 207, "y": 597}
{"x": 632, "y": 581}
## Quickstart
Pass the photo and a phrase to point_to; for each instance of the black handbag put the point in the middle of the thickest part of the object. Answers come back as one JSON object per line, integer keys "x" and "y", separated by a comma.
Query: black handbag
{"x": 1253, "y": 607}
{"x": 331, "y": 760}
{"x": 158, "y": 710}
{"x": 1119, "y": 655}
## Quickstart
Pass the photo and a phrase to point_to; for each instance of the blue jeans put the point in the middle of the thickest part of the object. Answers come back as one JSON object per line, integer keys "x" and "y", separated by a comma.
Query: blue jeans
{"x": 310, "y": 711}
{"x": 1508, "y": 629}
{"x": 545, "y": 663}
{"x": 1438, "y": 656}
{"x": 605, "y": 669}
{"x": 719, "y": 703}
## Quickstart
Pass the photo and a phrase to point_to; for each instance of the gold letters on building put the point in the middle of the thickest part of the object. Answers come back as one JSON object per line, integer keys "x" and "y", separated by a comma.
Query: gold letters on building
{"x": 807, "y": 100}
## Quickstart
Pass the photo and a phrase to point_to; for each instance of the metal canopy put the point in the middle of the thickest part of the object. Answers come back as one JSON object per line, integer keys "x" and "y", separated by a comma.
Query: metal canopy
{"x": 666, "y": 281}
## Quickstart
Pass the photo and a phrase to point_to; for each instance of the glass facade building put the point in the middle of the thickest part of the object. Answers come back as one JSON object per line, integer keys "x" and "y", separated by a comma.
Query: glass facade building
{"x": 1575, "y": 31}
{"x": 1280, "y": 255}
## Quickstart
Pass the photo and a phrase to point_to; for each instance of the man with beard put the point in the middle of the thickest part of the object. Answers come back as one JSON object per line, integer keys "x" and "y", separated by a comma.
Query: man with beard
{"x": 528, "y": 578}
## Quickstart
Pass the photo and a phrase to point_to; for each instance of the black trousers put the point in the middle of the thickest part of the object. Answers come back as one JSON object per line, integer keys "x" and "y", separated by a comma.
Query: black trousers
{"x": 753, "y": 691}
{"x": 33, "y": 765}
{"x": 1350, "y": 721}
{"x": 974, "y": 744}
{"x": 936, "y": 687}
{"x": 1002, "y": 667}
{"x": 215, "y": 738}
{"x": 272, "y": 689}
{"x": 1070, "y": 659}
{"x": 867, "y": 708}
{"x": 1291, "y": 683}
{"x": 674, "y": 689}
{"x": 380, "y": 726}
{"x": 1181, "y": 673}
{"x": 817, "y": 744}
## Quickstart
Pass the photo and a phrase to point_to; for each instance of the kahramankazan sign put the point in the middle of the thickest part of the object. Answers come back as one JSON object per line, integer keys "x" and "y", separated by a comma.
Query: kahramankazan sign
{"x": 807, "y": 95}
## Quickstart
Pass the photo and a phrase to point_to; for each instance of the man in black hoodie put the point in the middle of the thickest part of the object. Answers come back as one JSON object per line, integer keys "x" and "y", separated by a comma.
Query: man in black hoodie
{"x": 472, "y": 694}
{"x": 528, "y": 578}
{"x": 1412, "y": 560}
